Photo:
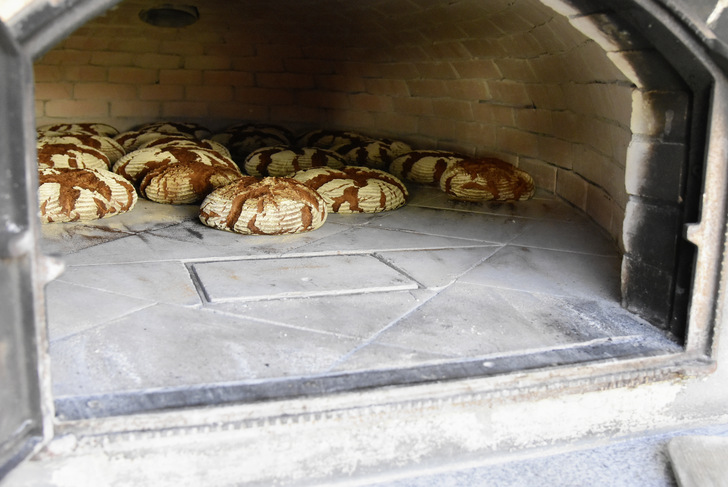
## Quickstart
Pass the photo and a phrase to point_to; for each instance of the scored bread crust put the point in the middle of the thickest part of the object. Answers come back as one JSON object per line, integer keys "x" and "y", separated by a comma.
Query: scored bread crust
{"x": 178, "y": 140}
{"x": 243, "y": 138}
{"x": 281, "y": 161}
{"x": 355, "y": 189}
{"x": 424, "y": 166}
{"x": 107, "y": 145}
{"x": 78, "y": 128}
{"x": 134, "y": 139}
{"x": 185, "y": 183}
{"x": 67, "y": 194}
{"x": 271, "y": 206}
{"x": 135, "y": 165}
{"x": 71, "y": 155}
{"x": 486, "y": 179}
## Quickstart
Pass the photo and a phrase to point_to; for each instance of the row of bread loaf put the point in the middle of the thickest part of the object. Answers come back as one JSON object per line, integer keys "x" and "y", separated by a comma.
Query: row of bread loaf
{"x": 180, "y": 163}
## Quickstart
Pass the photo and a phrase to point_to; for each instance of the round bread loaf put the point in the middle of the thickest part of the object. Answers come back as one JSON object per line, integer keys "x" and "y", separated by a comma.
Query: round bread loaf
{"x": 67, "y": 195}
{"x": 424, "y": 166}
{"x": 185, "y": 182}
{"x": 78, "y": 128}
{"x": 167, "y": 141}
{"x": 111, "y": 148}
{"x": 282, "y": 160}
{"x": 243, "y": 138}
{"x": 134, "y": 139}
{"x": 486, "y": 179}
{"x": 194, "y": 130}
{"x": 355, "y": 189}
{"x": 135, "y": 165}
{"x": 374, "y": 153}
{"x": 51, "y": 154}
{"x": 137, "y": 139}
{"x": 329, "y": 138}
{"x": 271, "y": 206}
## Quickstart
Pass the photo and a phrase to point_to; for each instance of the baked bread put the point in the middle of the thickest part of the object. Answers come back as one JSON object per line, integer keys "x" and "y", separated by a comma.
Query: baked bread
{"x": 374, "y": 153}
{"x": 357, "y": 149}
{"x": 243, "y": 138}
{"x": 78, "y": 128}
{"x": 282, "y": 160}
{"x": 135, "y": 165}
{"x": 57, "y": 154}
{"x": 185, "y": 182}
{"x": 329, "y": 138}
{"x": 111, "y": 148}
{"x": 270, "y": 206}
{"x": 166, "y": 141}
{"x": 67, "y": 195}
{"x": 133, "y": 139}
{"x": 424, "y": 166}
{"x": 355, "y": 189}
{"x": 486, "y": 179}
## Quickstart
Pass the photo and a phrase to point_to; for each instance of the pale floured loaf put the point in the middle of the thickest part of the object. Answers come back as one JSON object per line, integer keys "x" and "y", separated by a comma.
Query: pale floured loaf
{"x": 165, "y": 141}
{"x": 424, "y": 166}
{"x": 185, "y": 183}
{"x": 133, "y": 139}
{"x": 486, "y": 179}
{"x": 67, "y": 195}
{"x": 357, "y": 149}
{"x": 374, "y": 153}
{"x": 243, "y": 138}
{"x": 58, "y": 154}
{"x": 270, "y": 206}
{"x": 355, "y": 189}
{"x": 135, "y": 165}
{"x": 78, "y": 128}
{"x": 283, "y": 160}
{"x": 327, "y": 138}
{"x": 110, "y": 147}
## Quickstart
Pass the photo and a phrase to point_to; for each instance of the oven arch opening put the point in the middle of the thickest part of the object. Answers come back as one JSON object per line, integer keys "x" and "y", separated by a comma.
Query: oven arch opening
{"x": 648, "y": 147}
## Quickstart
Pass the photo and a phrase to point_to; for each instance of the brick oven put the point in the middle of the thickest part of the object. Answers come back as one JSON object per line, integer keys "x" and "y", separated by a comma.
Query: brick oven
{"x": 616, "y": 109}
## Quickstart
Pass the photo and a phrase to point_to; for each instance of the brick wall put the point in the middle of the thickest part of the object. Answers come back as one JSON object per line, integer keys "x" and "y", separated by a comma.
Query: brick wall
{"x": 514, "y": 79}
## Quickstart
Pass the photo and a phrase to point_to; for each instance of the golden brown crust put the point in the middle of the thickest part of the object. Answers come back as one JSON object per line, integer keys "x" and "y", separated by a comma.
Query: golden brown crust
{"x": 78, "y": 128}
{"x": 243, "y": 138}
{"x": 67, "y": 194}
{"x": 185, "y": 183}
{"x": 487, "y": 179}
{"x": 270, "y": 206}
{"x": 281, "y": 161}
{"x": 135, "y": 165}
{"x": 72, "y": 155}
{"x": 133, "y": 139}
{"x": 355, "y": 189}
{"x": 424, "y": 166}
{"x": 107, "y": 145}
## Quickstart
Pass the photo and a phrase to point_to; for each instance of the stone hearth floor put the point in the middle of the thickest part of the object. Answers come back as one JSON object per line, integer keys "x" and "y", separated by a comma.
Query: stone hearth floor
{"x": 154, "y": 300}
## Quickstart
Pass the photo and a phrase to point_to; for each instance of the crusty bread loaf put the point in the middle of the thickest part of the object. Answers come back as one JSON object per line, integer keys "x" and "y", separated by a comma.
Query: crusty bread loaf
{"x": 185, "y": 182}
{"x": 166, "y": 141}
{"x": 110, "y": 147}
{"x": 243, "y": 138}
{"x": 355, "y": 189}
{"x": 270, "y": 206}
{"x": 134, "y": 139}
{"x": 67, "y": 195}
{"x": 78, "y": 128}
{"x": 59, "y": 154}
{"x": 424, "y": 166}
{"x": 486, "y": 179}
{"x": 283, "y": 160}
{"x": 135, "y": 165}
